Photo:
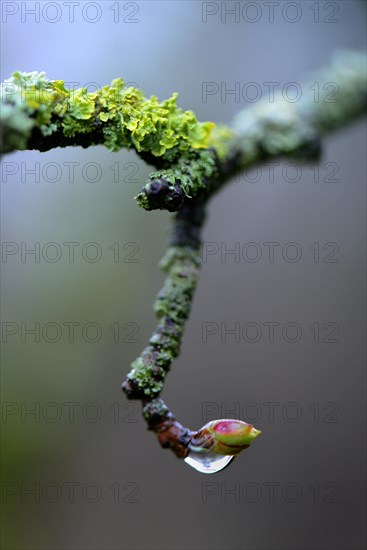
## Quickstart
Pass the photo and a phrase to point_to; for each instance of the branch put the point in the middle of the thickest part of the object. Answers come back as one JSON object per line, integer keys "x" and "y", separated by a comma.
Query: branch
{"x": 193, "y": 161}
{"x": 146, "y": 379}
{"x": 265, "y": 131}
{"x": 38, "y": 113}
{"x": 172, "y": 307}
{"x": 262, "y": 132}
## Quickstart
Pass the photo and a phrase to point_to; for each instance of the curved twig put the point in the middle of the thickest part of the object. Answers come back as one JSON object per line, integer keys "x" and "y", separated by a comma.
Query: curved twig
{"x": 193, "y": 161}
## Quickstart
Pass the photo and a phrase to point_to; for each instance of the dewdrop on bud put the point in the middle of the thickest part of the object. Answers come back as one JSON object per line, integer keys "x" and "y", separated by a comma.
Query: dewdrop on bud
{"x": 217, "y": 444}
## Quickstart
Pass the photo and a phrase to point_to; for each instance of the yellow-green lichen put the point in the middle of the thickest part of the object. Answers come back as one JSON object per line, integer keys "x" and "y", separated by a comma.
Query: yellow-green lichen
{"x": 121, "y": 116}
{"x": 28, "y": 100}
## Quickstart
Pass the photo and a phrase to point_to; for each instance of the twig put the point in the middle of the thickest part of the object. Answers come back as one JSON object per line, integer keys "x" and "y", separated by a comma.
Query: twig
{"x": 193, "y": 161}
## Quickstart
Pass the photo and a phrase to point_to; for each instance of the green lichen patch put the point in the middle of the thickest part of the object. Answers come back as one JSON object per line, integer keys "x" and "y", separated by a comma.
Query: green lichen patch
{"x": 172, "y": 307}
{"x": 123, "y": 116}
{"x": 187, "y": 178}
{"x": 28, "y": 100}
{"x": 145, "y": 377}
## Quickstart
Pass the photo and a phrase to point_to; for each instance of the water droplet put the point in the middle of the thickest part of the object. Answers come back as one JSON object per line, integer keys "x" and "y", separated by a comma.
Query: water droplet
{"x": 208, "y": 462}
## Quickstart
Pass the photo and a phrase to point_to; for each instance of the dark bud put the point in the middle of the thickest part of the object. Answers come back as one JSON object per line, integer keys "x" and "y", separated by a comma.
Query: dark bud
{"x": 163, "y": 195}
{"x": 156, "y": 192}
{"x": 175, "y": 200}
{"x": 156, "y": 187}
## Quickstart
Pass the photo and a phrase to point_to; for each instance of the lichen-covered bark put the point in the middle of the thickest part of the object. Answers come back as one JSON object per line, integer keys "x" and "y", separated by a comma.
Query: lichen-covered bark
{"x": 172, "y": 306}
{"x": 262, "y": 133}
{"x": 39, "y": 113}
{"x": 192, "y": 158}
{"x": 193, "y": 161}
{"x": 332, "y": 98}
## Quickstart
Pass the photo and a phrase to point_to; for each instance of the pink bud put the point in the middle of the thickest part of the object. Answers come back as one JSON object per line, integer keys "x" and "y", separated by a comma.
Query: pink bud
{"x": 224, "y": 437}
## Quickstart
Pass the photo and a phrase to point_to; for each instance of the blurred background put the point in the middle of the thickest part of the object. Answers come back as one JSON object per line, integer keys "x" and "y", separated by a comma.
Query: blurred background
{"x": 79, "y": 469}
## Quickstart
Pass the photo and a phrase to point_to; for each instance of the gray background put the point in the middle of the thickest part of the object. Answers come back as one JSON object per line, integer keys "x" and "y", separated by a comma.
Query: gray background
{"x": 314, "y": 461}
